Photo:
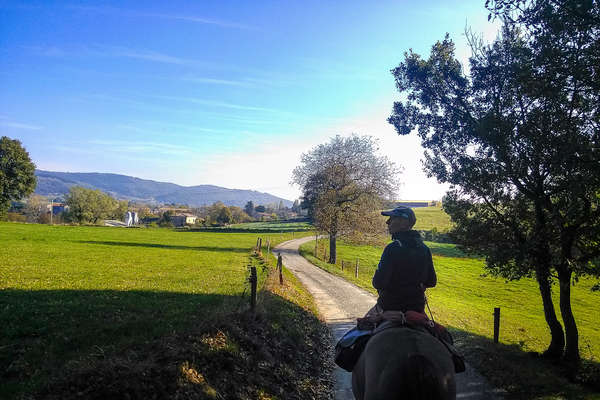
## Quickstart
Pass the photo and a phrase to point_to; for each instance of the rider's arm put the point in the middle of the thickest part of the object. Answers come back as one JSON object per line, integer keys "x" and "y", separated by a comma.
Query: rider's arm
{"x": 430, "y": 276}
{"x": 383, "y": 274}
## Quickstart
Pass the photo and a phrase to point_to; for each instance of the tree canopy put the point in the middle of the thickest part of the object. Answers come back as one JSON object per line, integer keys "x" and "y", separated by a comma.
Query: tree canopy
{"x": 92, "y": 206}
{"x": 343, "y": 182}
{"x": 17, "y": 172}
{"x": 518, "y": 139}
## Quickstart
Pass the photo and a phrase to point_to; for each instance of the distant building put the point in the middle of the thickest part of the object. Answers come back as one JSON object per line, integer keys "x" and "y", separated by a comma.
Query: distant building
{"x": 182, "y": 219}
{"x": 131, "y": 218}
{"x": 416, "y": 204}
{"x": 58, "y": 208}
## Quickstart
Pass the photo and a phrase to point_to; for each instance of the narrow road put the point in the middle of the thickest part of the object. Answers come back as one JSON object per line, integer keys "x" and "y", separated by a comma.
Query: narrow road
{"x": 341, "y": 302}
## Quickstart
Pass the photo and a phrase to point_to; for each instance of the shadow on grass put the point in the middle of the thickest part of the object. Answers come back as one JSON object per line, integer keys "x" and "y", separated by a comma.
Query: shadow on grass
{"x": 62, "y": 344}
{"x": 526, "y": 374}
{"x": 167, "y": 246}
{"x": 40, "y": 331}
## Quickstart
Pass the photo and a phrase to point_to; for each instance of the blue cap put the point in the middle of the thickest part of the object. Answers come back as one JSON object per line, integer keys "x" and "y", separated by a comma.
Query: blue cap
{"x": 402, "y": 212}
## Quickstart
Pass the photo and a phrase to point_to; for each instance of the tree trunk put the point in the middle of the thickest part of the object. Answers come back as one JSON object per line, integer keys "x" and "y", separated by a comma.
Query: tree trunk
{"x": 572, "y": 335}
{"x": 557, "y": 342}
{"x": 332, "y": 247}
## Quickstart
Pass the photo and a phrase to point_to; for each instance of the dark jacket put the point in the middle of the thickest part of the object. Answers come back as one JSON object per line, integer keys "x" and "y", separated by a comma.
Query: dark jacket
{"x": 405, "y": 265}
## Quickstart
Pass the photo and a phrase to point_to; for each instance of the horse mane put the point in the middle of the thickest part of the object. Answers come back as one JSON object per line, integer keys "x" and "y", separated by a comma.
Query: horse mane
{"x": 422, "y": 379}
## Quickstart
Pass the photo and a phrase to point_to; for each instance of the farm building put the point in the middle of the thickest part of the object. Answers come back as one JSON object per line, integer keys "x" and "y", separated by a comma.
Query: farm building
{"x": 416, "y": 204}
{"x": 182, "y": 219}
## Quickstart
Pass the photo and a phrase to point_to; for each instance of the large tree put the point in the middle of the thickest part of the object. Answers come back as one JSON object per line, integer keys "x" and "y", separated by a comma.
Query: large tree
{"x": 17, "y": 173}
{"x": 343, "y": 182}
{"x": 518, "y": 139}
{"x": 91, "y": 206}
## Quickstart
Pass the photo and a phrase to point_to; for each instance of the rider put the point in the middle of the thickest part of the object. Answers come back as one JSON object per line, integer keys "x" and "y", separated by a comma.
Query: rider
{"x": 406, "y": 267}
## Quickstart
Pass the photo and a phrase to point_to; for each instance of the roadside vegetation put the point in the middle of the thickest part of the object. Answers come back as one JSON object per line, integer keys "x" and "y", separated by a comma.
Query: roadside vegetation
{"x": 94, "y": 312}
{"x": 464, "y": 300}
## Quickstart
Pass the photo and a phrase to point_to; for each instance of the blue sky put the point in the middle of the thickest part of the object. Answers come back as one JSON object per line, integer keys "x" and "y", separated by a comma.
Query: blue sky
{"x": 229, "y": 93}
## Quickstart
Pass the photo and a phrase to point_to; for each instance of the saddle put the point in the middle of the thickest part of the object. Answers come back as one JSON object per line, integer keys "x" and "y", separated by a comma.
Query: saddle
{"x": 351, "y": 345}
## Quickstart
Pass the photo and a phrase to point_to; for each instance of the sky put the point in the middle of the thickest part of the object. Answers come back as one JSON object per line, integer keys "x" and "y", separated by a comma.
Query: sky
{"x": 229, "y": 93}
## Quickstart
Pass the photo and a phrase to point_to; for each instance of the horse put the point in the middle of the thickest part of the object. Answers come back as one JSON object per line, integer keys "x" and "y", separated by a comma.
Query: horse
{"x": 404, "y": 363}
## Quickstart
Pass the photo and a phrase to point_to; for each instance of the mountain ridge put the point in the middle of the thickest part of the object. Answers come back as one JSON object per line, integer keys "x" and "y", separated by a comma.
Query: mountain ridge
{"x": 126, "y": 187}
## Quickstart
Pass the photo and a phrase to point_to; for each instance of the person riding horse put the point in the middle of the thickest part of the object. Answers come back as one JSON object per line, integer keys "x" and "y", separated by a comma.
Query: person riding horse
{"x": 403, "y": 360}
{"x": 406, "y": 267}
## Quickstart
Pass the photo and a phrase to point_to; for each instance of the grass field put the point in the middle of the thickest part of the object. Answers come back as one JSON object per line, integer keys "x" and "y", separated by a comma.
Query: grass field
{"x": 274, "y": 226}
{"x": 432, "y": 217}
{"x": 69, "y": 293}
{"x": 464, "y": 300}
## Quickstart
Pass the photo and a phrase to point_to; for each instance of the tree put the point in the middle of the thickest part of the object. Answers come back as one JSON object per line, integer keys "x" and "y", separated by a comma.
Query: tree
{"x": 518, "y": 141}
{"x": 35, "y": 208}
{"x": 91, "y": 206}
{"x": 238, "y": 215}
{"x": 296, "y": 206}
{"x": 342, "y": 183}
{"x": 224, "y": 216}
{"x": 249, "y": 208}
{"x": 17, "y": 173}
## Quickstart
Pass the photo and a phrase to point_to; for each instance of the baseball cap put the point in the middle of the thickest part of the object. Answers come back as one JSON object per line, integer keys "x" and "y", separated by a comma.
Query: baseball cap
{"x": 402, "y": 212}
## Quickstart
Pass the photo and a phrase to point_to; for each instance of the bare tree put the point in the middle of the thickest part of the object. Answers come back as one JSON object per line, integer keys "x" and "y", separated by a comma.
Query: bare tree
{"x": 36, "y": 207}
{"x": 343, "y": 182}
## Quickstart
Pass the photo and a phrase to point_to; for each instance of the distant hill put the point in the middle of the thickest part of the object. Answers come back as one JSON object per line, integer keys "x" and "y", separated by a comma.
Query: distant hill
{"x": 131, "y": 188}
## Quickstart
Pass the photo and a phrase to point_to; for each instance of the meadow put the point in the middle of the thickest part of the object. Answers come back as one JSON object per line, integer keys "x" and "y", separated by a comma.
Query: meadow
{"x": 429, "y": 218}
{"x": 464, "y": 300}
{"x": 71, "y": 294}
{"x": 275, "y": 226}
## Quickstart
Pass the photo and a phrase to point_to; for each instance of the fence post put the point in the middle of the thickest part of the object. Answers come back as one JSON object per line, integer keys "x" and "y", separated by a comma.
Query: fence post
{"x": 259, "y": 245}
{"x": 280, "y": 267}
{"x": 268, "y": 246}
{"x": 496, "y": 324}
{"x": 356, "y": 269}
{"x": 317, "y": 246}
{"x": 253, "y": 281}
{"x": 342, "y": 265}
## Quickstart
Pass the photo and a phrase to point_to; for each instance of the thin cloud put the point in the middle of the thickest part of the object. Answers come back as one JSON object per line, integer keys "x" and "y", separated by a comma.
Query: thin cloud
{"x": 20, "y": 125}
{"x": 115, "y": 51}
{"x": 123, "y": 146}
{"x": 214, "y": 81}
{"x": 215, "y": 103}
{"x": 190, "y": 18}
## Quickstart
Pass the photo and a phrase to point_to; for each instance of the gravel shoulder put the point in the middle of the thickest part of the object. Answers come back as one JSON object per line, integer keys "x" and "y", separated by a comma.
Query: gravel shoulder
{"x": 340, "y": 303}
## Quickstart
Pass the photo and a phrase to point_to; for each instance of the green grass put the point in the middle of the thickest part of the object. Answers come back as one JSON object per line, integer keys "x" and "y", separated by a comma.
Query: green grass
{"x": 68, "y": 292}
{"x": 274, "y": 226}
{"x": 432, "y": 217}
{"x": 465, "y": 300}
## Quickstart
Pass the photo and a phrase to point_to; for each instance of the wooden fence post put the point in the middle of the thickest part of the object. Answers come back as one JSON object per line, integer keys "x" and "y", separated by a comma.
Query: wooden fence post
{"x": 356, "y": 269}
{"x": 268, "y": 246}
{"x": 317, "y": 246}
{"x": 253, "y": 281}
{"x": 280, "y": 267}
{"x": 342, "y": 265}
{"x": 496, "y": 324}
{"x": 259, "y": 245}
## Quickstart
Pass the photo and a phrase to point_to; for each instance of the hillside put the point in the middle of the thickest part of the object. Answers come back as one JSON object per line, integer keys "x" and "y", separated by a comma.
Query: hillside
{"x": 131, "y": 188}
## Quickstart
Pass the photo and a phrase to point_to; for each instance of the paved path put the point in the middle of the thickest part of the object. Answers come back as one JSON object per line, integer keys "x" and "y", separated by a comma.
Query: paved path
{"x": 340, "y": 303}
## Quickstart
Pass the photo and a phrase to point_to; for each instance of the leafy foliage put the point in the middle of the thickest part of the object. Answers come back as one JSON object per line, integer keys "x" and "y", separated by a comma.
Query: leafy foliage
{"x": 518, "y": 139}
{"x": 343, "y": 182}
{"x": 17, "y": 172}
{"x": 92, "y": 206}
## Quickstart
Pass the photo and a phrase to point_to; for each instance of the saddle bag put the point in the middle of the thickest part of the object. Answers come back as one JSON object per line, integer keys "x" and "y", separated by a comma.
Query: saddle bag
{"x": 349, "y": 348}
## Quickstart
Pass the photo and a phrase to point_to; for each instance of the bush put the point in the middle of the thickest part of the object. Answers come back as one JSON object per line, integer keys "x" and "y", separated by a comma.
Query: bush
{"x": 15, "y": 217}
